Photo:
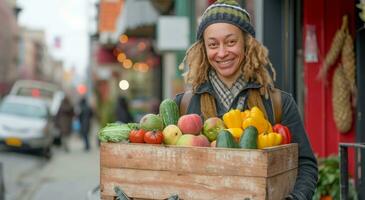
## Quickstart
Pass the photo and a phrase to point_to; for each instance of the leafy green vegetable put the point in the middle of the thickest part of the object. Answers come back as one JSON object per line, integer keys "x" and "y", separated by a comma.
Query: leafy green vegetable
{"x": 329, "y": 179}
{"x": 134, "y": 126}
{"x": 114, "y": 132}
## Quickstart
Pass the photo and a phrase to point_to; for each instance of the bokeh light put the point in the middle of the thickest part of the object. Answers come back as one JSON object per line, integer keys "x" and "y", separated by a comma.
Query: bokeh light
{"x": 123, "y": 39}
{"x": 124, "y": 85}
{"x": 121, "y": 57}
{"x": 127, "y": 63}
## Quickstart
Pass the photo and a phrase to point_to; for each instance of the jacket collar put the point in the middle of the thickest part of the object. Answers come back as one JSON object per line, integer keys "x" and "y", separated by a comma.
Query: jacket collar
{"x": 207, "y": 87}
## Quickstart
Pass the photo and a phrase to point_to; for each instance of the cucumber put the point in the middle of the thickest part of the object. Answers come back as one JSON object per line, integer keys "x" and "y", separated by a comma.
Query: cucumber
{"x": 226, "y": 140}
{"x": 248, "y": 139}
{"x": 169, "y": 112}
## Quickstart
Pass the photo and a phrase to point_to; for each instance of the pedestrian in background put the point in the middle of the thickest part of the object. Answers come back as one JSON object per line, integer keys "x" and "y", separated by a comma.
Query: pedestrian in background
{"x": 64, "y": 121}
{"x": 85, "y": 117}
{"x": 122, "y": 112}
{"x": 228, "y": 69}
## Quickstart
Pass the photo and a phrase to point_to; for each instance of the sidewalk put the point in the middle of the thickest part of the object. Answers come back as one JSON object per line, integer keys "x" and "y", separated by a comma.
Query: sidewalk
{"x": 70, "y": 175}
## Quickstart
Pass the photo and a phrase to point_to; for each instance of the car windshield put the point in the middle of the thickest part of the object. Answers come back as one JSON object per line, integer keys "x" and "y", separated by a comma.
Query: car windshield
{"x": 23, "y": 110}
{"x": 35, "y": 92}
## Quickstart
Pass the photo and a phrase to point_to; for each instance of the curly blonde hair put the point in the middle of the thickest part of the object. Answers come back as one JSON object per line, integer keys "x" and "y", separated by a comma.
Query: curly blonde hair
{"x": 254, "y": 67}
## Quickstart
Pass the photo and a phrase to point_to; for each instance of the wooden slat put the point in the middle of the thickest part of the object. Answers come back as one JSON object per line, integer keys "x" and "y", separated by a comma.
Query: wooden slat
{"x": 199, "y": 160}
{"x": 281, "y": 185}
{"x": 162, "y": 184}
{"x": 281, "y": 159}
{"x": 105, "y": 197}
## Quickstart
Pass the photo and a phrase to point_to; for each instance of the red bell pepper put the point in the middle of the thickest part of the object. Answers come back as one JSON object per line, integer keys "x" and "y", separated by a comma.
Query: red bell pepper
{"x": 284, "y": 131}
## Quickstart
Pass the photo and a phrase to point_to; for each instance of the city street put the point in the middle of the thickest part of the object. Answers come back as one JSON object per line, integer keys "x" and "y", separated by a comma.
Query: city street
{"x": 69, "y": 175}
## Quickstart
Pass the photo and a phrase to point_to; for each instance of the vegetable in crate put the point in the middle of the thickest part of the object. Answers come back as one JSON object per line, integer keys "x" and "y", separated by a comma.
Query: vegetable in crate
{"x": 261, "y": 124}
{"x": 193, "y": 140}
{"x": 284, "y": 131}
{"x": 190, "y": 124}
{"x": 248, "y": 139}
{"x": 114, "y": 132}
{"x": 133, "y": 126}
{"x": 268, "y": 140}
{"x": 169, "y": 112}
{"x": 225, "y": 140}
{"x": 232, "y": 119}
{"x": 137, "y": 136}
{"x": 212, "y": 126}
{"x": 151, "y": 122}
{"x": 171, "y": 134}
{"x": 236, "y": 133}
{"x": 256, "y": 112}
{"x": 153, "y": 137}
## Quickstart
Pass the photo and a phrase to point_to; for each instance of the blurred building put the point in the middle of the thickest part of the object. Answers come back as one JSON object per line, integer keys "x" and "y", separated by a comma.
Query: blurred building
{"x": 32, "y": 53}
{"x": 8, "y": 45}
{"x": 124, "y": 59}
{"x": 53, "y": 70}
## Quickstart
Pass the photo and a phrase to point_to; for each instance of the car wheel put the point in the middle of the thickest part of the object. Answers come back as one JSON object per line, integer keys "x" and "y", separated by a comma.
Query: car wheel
{"x": 47, "y": 153}
{"x": 57, "y": 141}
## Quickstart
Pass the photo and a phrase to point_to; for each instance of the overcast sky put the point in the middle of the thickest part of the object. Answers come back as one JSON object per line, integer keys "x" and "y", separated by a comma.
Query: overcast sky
{"x": 66, "y": 19}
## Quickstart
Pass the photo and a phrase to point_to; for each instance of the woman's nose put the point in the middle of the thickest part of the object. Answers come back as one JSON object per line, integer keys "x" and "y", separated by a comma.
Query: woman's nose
{"x": 222, "y": 52}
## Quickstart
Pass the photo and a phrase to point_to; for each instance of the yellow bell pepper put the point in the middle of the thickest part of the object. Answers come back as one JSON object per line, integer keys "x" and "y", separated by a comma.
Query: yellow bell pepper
{"x": 236, "y": 132}
{"x": 268, "y": 140}
{"x": 232, "y": 119}
{"x": 256, "y": 112}
{"x": 269, "y": 129}
{"x": 245, "y": 114}
{"x": 261, "y": 124}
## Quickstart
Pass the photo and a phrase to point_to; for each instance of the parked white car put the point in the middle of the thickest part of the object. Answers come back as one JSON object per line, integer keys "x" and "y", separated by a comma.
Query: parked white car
{"x": 25, "y": 123}
{"x": 40, "y": 89}
{"x": 47, "y": 91}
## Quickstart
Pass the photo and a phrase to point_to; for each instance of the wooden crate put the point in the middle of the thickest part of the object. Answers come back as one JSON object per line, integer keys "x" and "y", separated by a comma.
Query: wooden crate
{"x": 145, "y": 171}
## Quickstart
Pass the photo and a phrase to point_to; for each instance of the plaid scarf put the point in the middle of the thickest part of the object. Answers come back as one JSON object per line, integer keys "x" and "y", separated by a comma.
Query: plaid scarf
{"x": 226, "y": 95}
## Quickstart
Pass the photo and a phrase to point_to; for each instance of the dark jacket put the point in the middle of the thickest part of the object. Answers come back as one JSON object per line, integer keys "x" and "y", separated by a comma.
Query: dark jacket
{"x": 85, "y": 116}
{"x": 122, "y": 112}
{"x": 64, "y": 117}
{"x": 308, "y": 172}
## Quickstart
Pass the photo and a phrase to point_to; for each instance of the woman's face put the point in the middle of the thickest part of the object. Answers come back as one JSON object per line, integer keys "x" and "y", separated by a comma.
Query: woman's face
{"x": 224, "y": 44}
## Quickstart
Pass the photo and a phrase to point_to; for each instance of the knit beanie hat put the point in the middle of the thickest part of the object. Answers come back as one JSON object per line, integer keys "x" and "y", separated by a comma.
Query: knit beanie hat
{"x": 225, "y": 11}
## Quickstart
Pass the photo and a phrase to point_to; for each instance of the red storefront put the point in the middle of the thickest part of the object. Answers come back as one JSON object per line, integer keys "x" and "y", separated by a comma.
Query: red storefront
{"x": 326, "y": 18}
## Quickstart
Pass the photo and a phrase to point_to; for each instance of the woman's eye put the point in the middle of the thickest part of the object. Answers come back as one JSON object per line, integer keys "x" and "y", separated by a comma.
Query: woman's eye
{"x": 212, "y": 45}
{"x": 231, "y": 42}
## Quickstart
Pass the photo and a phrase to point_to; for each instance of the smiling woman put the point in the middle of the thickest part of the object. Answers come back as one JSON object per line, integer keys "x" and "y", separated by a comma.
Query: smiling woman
{"x": 225, "y": 50}
{"x": 229, "y": 70}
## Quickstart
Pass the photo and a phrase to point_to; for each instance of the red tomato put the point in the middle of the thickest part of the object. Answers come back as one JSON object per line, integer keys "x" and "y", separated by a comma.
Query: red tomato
{"x": 153, "y": 137}
{"x": 137, "y": 136}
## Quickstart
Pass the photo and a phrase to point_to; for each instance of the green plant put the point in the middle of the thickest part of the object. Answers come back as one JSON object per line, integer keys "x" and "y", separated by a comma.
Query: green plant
{"x": 329, "y": 179}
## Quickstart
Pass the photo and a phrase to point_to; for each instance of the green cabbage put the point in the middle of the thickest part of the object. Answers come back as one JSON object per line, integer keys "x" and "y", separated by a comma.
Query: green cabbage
{"x": 114, "y": 132}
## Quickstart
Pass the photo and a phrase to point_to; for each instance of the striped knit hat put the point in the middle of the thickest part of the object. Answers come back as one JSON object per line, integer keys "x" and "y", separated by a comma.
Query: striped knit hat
{"x": 226, "y": 11}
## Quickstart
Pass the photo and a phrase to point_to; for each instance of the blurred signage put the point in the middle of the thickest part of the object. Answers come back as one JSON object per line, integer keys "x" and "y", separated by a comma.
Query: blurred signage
{"x": 109, "y": 11}
{"x": 311, "y": 46}
{"x": 57, "y": 42}
{"x": 172, "y": 33}
{"x": 105, "y": 56}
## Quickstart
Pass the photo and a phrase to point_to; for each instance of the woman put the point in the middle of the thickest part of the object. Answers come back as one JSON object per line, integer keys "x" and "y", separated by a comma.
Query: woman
{"x": 228, "y": 68}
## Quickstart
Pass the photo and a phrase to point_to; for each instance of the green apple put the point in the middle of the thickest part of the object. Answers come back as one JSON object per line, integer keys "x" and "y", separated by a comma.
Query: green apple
{"x": 171, "y": 134}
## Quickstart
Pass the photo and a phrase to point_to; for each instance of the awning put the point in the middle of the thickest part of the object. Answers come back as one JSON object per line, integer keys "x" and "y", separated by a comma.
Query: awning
{"x": 136, "y": 13}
